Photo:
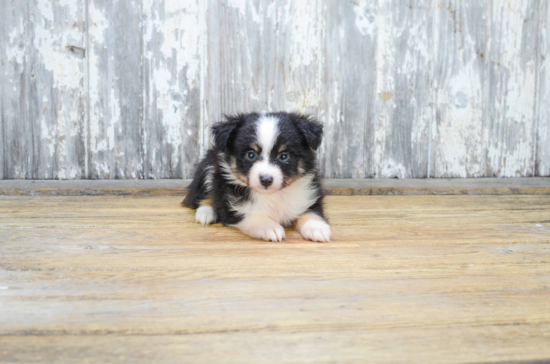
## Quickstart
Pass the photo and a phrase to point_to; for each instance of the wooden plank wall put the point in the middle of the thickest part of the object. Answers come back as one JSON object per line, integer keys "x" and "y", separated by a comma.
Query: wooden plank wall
{"x": 128, "y": 89}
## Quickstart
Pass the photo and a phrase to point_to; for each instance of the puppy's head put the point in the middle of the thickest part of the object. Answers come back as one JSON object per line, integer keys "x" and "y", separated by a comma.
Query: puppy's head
{"x": 268, "y": 151}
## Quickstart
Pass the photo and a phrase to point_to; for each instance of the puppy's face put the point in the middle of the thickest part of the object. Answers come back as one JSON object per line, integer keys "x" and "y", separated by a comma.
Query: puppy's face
{"x": 268, "y": 151}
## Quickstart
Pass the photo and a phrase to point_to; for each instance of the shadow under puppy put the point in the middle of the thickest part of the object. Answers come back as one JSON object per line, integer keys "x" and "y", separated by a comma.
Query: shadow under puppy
{"x": 262, "y": 175}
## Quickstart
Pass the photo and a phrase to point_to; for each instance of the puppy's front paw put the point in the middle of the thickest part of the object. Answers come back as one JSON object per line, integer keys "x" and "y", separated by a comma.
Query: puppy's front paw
{"x": 316, "y": 230}
{"x": 273, "y": 232}
{"x": 205, "y": 215}
{"x": 266, "y": 230}
{"x": 262, "y": 227}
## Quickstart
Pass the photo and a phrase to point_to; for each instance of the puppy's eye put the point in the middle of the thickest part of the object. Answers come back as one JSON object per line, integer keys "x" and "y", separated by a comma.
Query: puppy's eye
{"x": 283, "y": 156}
{"x": 251, "y": 155}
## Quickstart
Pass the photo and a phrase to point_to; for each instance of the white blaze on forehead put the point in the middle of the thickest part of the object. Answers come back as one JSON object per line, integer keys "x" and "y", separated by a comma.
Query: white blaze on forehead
{"x": 267, "y": 132}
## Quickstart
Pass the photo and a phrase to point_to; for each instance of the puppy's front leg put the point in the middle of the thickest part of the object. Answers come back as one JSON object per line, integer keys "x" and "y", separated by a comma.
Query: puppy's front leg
{"x": 261, "y": 227}
{"x": 313, "y": 227}
{"x": 205, "y": 212}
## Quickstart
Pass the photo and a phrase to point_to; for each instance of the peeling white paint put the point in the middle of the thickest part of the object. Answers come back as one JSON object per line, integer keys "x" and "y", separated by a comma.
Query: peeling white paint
{"x": 16, "y": 48}
{"x": 543, "y": 100}
{"x": 384, "y": 86}
{"x": 175, "y": 26}
{"x": 96, "y": 32}
{"x": 303, "y": 49}
{"x": 460, "y": 129}
{"x": 302, "y": 22}
{"x": 396, "y": 85}
{"x": 393, "y": 169}
{"x": 510, "y": 139}
{"x": 240, "y": 5}
{"x": 365, "y": 17}
{"x": 51, "y": 46}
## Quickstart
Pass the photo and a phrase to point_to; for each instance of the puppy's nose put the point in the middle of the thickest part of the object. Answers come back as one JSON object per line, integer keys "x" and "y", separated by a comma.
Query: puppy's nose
{"x": 266, "y": 181}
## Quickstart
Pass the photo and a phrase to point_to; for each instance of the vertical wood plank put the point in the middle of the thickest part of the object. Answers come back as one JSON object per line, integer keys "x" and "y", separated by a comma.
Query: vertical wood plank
{"x": 240, "y": 27}
{"x": 459, "y": 88}
{"x": 512, "y": 78}
{"x": 403, "y": 89}
{"x": 115, "y": 82}
{"x": 210, "y": 89}
{"x": 263, "y": 56}
{"x": 543, "y": 97}
{"x": 349, "y": 89}
{"x": 292, "y": 47}
{"x": 57, "y": 96}
{"x": 294, "y": 31}
{"x": 17, "y": 151}
{"x": 172, "y": 105}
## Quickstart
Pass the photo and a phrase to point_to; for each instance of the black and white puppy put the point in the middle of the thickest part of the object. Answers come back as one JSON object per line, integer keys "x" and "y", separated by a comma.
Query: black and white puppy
{"x": 262, "y": 176}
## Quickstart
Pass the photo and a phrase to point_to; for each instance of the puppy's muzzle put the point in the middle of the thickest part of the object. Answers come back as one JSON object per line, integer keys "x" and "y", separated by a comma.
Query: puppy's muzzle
{"x": 266, "y": 180}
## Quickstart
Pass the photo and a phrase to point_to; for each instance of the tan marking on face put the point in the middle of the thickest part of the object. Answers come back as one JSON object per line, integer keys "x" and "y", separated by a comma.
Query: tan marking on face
{"x": 239, "y": 175}
{"x": 242, "y": 177}
{"x": 255, "y": 148}
{"x": 305, "y": 218}
{"x": 207, "y": 202}
{"x": 282, "y": 148}
{"x": 301, "y": 169}
{"x": 290, "y": 180}
{"x": 233, "y": 164}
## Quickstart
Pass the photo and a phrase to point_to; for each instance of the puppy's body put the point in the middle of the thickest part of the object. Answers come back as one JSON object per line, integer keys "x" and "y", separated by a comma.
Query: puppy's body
{"x": 261, "y": 176}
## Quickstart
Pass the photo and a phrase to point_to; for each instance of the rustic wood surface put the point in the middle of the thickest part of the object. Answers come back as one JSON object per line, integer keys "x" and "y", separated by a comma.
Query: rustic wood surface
{"x": 42, "y": 89}
{"x": 343, "y": 187}
{"x": 129, "y": 89}
{"x": 543, "y": 126}
{"x": 460, "y": 77}
{"x": 428, "y": 279}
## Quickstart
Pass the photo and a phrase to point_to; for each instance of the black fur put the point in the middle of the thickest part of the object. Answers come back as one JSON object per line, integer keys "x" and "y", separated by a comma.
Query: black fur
{"x": 312, "y": 131}
{"x": 197, "y": 190}
{"x": 301, "y": 135}
{"x": 223, "y": 132}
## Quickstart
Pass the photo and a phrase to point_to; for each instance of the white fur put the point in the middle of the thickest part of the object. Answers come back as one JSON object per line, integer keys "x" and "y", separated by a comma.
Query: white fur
{"x": 316, "y": 230}
{"x": 208, "y": 178}
{"x": 266, "y": 133}
{"x": 283, "y": 206}
{"x": 261, "y": 226}
{"x": 205, "y": 215}
{"x": 262, "y": 168}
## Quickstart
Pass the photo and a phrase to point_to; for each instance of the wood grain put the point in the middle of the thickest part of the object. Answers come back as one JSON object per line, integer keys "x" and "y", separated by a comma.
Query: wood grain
{"x": 115, "y": 89}
{"x": 403, "y": 89}
{"x": 57, "y": 96}
{"x": 407, "y": 278}
{"x": 460, "y": 80}
{"x": 172, "y": 88}
{"x": 342, "y": 187}
{"x": 543, "y": 103}
{"x": 289, "y": 346}
{"x": 129, "y": 89}
{"x": 264, "y": 56}
{"x": 43, "y": 107}
{"x": 16, "y": 147}
{"x": 350, "y": 95}
{"x": 512, "y": 76}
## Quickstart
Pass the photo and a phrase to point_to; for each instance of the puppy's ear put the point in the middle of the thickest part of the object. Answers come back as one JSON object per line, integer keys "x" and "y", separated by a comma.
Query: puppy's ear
{"x": 311, "y": 129}
{"x": 223, "y": 131}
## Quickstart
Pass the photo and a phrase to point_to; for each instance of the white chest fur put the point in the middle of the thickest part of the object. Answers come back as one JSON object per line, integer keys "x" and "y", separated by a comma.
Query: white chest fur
{"x": 283, "y": 206}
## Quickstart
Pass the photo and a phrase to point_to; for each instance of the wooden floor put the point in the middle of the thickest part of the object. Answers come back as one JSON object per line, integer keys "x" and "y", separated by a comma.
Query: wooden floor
{"x": 425, "y": 279}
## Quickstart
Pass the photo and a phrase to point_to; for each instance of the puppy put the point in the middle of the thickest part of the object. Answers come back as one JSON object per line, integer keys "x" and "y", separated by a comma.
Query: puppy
{"x": 262, "y": 176}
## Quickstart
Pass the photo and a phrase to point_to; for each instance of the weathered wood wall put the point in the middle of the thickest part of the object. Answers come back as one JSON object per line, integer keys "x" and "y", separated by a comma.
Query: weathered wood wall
{"x": 128, "y": 89}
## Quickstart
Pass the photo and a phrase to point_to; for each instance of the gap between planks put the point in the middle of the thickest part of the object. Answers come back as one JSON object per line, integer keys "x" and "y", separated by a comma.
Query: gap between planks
{"x": 342, "y": 187}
